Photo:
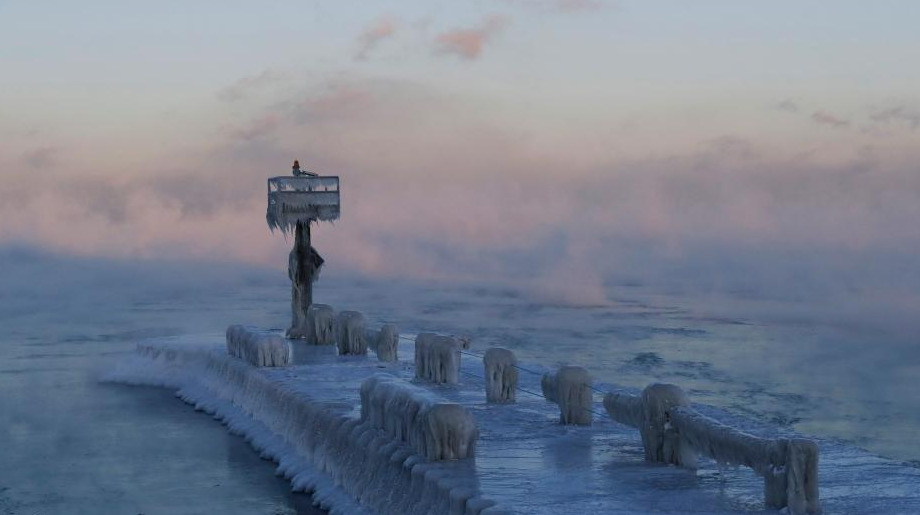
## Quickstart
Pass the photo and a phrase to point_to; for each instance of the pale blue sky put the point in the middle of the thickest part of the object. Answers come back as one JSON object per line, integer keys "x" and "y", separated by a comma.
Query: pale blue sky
{"x": 155, "y": 54}
{"x": 710, "y": 118}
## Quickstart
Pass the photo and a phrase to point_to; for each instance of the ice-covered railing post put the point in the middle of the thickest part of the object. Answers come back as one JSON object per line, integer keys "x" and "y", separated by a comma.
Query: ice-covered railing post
{"x": 294, "y": 203}
{"x": 570, "y": 388}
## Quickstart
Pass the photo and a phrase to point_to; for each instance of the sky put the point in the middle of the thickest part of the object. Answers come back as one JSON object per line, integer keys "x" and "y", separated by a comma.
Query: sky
{"x": 560, "y": 145}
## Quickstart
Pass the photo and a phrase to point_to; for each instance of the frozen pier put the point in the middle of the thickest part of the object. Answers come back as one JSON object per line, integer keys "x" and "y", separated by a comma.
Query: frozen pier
{"x": 308, "y": 417}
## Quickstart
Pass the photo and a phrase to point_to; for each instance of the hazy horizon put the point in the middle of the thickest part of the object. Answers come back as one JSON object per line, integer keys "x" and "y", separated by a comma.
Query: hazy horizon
{"x": 558, "y": 145}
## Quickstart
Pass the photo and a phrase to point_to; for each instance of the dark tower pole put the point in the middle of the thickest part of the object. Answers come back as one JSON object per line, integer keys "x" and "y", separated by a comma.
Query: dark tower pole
{"x": 303, "y": 269}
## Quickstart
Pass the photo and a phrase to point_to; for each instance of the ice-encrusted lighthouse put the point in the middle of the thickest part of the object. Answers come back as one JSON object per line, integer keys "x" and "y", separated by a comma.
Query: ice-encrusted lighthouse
{"x": 294, "y": 203}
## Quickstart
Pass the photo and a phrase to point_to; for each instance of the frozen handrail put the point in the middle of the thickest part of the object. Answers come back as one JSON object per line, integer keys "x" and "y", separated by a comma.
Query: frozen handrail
{"x": 304, "y": 184}
{"x": 673, "y": 432}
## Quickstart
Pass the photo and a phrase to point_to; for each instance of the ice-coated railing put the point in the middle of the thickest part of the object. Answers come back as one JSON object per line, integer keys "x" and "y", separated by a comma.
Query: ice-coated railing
{"x": 304, "y": 184}
{"x": 673, "y": 432}
{"x": 301, "y": 199}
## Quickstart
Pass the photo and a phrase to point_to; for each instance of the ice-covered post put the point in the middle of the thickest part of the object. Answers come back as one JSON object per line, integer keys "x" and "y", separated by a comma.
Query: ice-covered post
{"x": 294, "y": 203}
{"x": 570, "y": 388}
{"x": 501, "y": 375}
{"x": 437, "y": 358}
{"x": 650, "y": 412}
{"x": 387, "y": 342}
{"x": 350, "y": 334}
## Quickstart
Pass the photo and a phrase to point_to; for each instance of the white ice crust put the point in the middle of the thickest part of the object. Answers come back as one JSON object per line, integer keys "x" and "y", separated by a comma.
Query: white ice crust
{"x": 437, "y": 358}
{"x": 386, "y": 342}
{"x": 673, "y": 432}
{"x": 789, "y": 466}
{"x": 260, "y": 349}
{"x": 570, "y": 388}
{"x": 304, "y": 417}
{"x": 437, "y": 429}
{"x": 350, "y": 334}
{"x": 501, "y": 375}
{"x": 350, "y": 465}
{"x": 320, "y": 325}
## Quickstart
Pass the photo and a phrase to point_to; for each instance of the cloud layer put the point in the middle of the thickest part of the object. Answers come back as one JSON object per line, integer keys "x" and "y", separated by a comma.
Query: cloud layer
{"x": 379, "y": 30}
{"x": 472, "y": 199}
{"x": 468, "y": 43}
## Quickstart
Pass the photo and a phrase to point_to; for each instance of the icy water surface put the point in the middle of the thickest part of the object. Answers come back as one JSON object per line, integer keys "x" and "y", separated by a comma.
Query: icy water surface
{"x": 815, "y": 378}
{"x": 74, "y": 445}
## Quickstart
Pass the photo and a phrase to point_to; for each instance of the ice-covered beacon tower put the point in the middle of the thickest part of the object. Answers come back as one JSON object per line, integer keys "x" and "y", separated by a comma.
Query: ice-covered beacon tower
{"x": 294, "y": 203}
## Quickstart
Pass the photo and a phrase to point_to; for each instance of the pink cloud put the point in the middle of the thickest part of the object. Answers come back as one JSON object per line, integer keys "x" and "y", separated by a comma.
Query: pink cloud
{"x": 825, "y": 118}
{"x": 382, "y": 28}
{"x": 469, "y": 198}
{"x": 258, "y": 128}
{"x": 41, "y": 157}
{"x": 469, "y": 42}
{"x": 902, "y": 114}
{"x": 337, "y": 100}
{"x": 245, "y": 86}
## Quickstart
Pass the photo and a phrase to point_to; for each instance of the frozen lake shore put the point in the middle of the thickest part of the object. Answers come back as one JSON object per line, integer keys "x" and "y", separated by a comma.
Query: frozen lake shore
{"x": 525, "y": 461}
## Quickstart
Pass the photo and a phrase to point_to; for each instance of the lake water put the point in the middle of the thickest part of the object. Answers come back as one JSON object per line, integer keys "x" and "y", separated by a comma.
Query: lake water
{"x": 75, "y": 445}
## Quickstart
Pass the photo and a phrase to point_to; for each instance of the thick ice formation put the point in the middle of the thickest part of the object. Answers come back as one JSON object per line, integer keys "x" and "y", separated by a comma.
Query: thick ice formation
{"x": 447, "y": 432}
{"x": 293, "y": 200}
{"x": 672, "y": 432}
{"x": 548, "y": 385}
{"x": 437, "y": 358}
{"x": 350, "y": 333}
{"x": 323, "y": 449}
{"x": 789, "y": 466}
{"x": 659, "y": 437}
{"x": 437, "y": 429}
{"x": 386, "y": 343}
{"x": 304, "y": 264}
{"x": 650, "y": 413}
{"x": 320, "y": 325}
{"x": 570, "y": 387}
{"x": 258, "y": 348}
{"x": 501, "y": 375}
{"x": 554, "y": 470}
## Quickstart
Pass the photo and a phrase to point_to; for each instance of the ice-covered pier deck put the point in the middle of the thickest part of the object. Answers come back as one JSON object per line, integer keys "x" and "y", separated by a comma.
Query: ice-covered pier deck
{"x": 525, "y": 461}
